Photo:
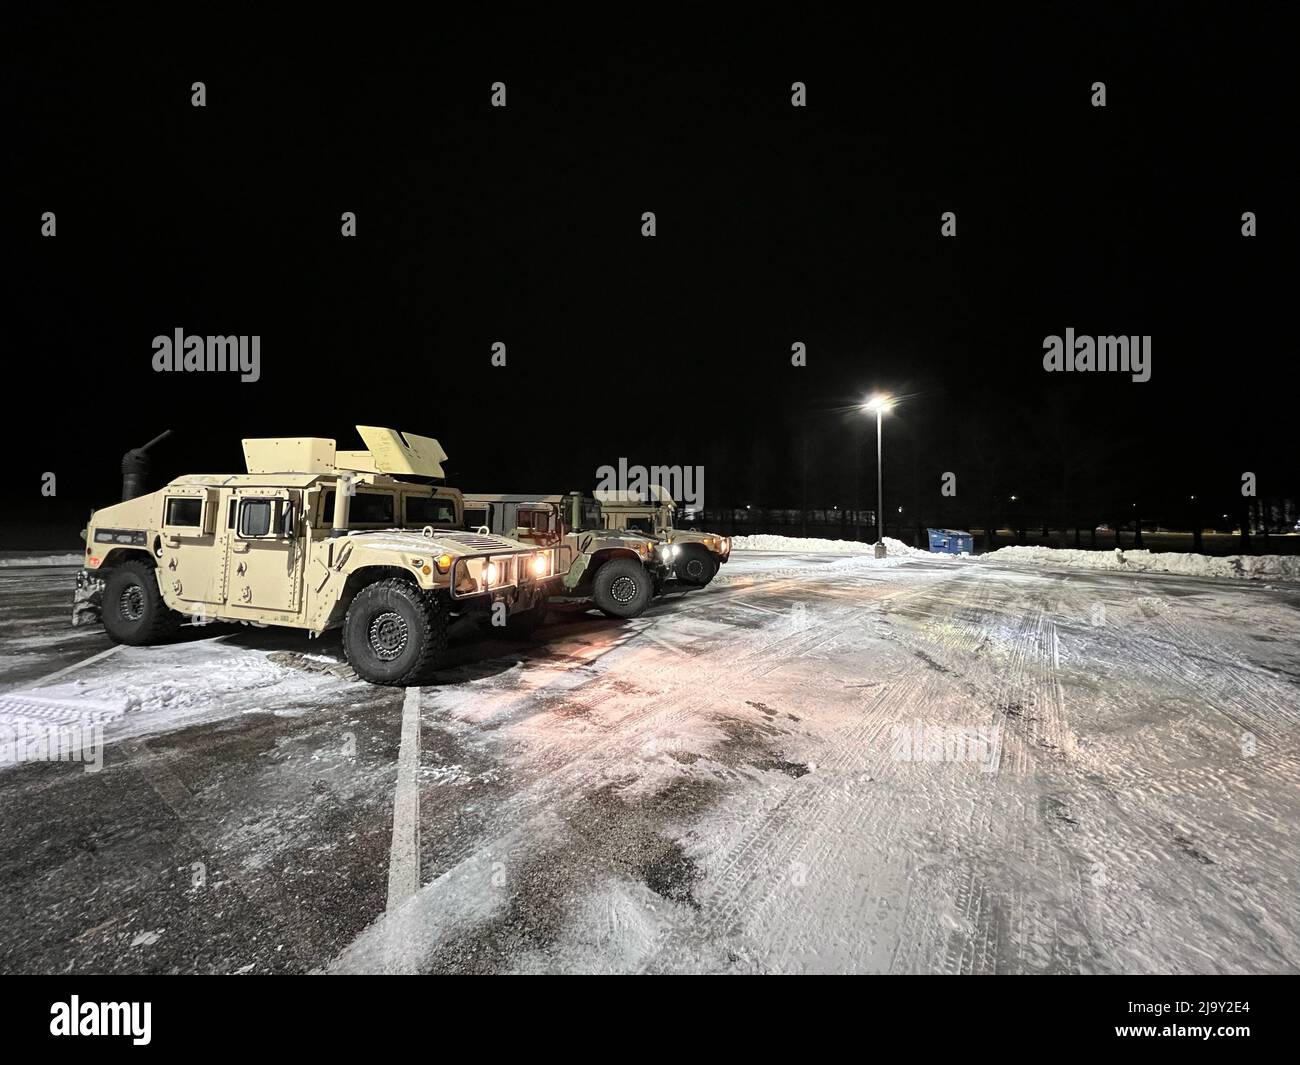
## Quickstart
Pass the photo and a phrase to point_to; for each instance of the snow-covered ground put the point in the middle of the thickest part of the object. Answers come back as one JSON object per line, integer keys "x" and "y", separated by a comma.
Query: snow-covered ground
{"x": 820, "y": 763}
{"x": 1258, "y": 567}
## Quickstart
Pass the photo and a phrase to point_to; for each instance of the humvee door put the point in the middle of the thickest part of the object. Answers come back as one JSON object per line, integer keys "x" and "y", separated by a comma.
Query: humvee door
{"x": 265, "y": 556}
{"x": 191, "y": 562}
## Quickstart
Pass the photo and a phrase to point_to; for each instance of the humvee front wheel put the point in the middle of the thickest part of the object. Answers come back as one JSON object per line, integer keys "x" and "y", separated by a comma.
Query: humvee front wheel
{"x": 696, "y": 566}
{"x": 133, "y": 609}
{"x": 622, "y": 588}
{"x": 393, "y": 633}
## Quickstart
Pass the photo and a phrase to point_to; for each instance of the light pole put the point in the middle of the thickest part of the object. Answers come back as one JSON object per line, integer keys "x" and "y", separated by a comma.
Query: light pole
{"x": 879, "y": 404}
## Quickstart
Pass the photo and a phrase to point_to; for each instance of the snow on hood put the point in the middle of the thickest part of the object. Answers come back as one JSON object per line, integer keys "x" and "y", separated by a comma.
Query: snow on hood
{"x": 414, "y": 541}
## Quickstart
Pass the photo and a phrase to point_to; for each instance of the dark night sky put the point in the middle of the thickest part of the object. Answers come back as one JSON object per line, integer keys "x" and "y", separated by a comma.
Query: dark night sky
{"x": 775, "y": 224}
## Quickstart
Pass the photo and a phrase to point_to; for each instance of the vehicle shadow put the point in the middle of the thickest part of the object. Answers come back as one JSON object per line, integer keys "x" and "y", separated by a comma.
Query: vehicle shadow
{"x": 474, "y": 652}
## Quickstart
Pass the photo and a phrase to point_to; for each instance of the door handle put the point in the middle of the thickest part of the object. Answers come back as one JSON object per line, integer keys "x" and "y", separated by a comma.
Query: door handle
{"x": 173, "y": 541}
{"x": 239, "y": 547}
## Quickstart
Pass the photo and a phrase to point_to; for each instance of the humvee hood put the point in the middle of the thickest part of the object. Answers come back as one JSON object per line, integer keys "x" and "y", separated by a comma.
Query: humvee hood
{"x": 401, "y": 540}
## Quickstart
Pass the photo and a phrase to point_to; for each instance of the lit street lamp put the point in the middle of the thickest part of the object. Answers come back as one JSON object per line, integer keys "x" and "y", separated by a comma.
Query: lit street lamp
{"x": 879, "y": 404}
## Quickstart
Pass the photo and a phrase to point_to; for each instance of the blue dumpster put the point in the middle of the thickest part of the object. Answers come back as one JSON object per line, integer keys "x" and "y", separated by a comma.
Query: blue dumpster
{"x": 950, "y": 541}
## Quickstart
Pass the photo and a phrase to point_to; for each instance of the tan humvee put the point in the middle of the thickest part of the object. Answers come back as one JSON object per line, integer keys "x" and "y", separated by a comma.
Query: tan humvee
{"x": 700, "y": 553}
{"x": 312, "y": 538}
{"x": 619, "y": 572}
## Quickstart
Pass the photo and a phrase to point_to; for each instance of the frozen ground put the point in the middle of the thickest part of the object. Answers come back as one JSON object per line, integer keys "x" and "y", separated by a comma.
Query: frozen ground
{"x": 820, "y": 763}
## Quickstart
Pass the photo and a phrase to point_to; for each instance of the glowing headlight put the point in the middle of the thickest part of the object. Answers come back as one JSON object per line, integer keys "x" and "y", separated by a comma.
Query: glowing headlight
{"x": 540, "y": 565}
{"x": 665, "y": 552}
{"x": 490, "y": 573}
{"x": 676, "y": 550}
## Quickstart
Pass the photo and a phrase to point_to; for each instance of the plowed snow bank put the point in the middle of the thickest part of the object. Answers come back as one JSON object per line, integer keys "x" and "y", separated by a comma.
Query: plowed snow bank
{"x": 767, "y": 542}
{"x": 40, "y": 560}
{"x": 1252, "y": 567}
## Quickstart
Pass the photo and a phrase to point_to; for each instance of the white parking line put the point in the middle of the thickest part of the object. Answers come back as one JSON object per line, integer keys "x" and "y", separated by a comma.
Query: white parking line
{"x": 404, "y": 858}
{"x": 76, "y": 665}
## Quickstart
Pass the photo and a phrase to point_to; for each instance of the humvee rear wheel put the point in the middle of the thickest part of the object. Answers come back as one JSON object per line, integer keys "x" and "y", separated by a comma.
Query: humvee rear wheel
{"x": 393, "y": 633}
{"x": 133, "y": 609}
{"x": 696, "y": 566}
{"x": 622, "y": 588}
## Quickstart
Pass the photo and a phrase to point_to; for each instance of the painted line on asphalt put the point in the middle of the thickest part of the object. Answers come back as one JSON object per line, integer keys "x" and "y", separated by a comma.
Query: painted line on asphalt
{"x": 75, "y": 666}
{"x": 404, "y": 857}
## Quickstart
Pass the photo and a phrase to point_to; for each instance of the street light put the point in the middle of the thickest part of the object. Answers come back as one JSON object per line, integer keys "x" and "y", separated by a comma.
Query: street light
{"x": 879, "y": 404}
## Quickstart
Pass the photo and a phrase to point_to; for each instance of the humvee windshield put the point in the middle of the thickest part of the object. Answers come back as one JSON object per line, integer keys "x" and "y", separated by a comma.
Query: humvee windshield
{"x": 430, "y": 510}
{"x": 367, "y": 508}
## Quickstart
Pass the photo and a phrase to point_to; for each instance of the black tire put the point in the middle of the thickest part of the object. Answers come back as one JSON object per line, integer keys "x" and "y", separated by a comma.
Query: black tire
{"x": 695, "y": 566}
{"x": 622, "y": 588}
{"x": 393, "y": 633}
{"x": 133, "y": 610}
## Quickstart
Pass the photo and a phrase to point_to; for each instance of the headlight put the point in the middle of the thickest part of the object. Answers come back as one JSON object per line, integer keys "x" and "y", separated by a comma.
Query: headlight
{"x": 676, "y": 550}
{"x": 540, "y": 565}
{"x": 665, "y": 552}
{"x": 490, "y": 573}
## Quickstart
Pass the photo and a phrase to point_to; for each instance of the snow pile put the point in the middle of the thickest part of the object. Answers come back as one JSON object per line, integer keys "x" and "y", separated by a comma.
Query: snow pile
{"x": 41, "y": 560}
{"x": 1254, "y": 567}
{"x": 158, "y": 689}
{"x": 768, "y": 542}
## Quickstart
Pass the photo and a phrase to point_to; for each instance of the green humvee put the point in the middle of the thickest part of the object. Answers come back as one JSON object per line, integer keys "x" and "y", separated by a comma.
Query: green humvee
{"x": 617, "y": 571}
{"x": 699, "y": 554}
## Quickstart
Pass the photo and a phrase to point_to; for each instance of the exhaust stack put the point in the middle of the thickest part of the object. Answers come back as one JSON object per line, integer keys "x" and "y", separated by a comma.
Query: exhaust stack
{"x": 135, "y": 468}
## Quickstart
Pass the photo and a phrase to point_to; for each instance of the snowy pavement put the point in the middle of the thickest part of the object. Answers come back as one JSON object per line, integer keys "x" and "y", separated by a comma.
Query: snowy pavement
{"x": 820, "y": 763}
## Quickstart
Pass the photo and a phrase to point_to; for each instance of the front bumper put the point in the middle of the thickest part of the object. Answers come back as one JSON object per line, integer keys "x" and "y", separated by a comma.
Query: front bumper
{"x": 496, "y": 573}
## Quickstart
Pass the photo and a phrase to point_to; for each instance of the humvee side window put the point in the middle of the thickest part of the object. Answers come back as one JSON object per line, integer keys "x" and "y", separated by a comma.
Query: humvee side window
{"x": 429, "y": 510}
{"x": 476, "y": 517}
{"x": 184, "y": 512}
{"x": 255, "y": 518}
{"x": 642, "y": 525}
{"x": 368, "y": 508}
